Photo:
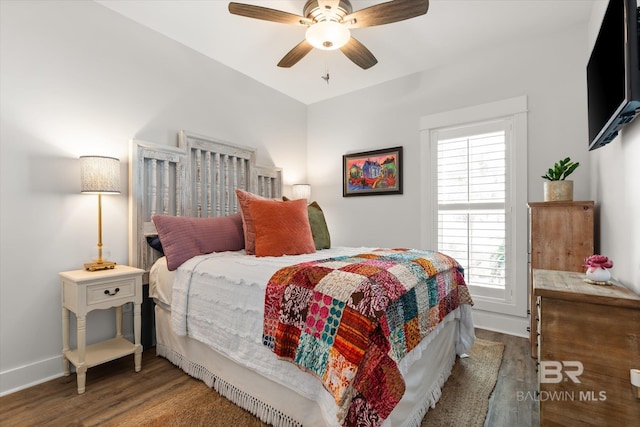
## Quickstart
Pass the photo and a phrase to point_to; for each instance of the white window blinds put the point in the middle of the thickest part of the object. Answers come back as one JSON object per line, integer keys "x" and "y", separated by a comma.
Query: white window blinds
{"x": 471, "y": 200}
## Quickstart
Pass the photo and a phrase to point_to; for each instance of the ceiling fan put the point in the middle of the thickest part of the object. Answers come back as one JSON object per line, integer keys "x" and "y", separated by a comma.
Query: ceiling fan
{"x": 329, "y": 22}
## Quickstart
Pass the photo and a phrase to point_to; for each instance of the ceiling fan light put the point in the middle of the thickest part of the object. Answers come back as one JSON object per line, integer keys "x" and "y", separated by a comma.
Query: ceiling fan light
{"x": 328, "y": 35}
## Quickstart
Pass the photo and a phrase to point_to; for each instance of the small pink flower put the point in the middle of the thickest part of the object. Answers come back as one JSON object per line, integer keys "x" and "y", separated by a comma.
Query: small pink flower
{"x": 597, "y": 261}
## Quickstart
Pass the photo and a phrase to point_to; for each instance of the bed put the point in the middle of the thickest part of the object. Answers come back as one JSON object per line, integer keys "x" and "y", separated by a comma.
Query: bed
{"x": 292, "y": 352}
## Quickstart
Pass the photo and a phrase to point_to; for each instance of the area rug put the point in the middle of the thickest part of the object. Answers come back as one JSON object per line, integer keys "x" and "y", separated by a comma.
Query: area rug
{"x": 464, "y": 401}
{"x": 465, "y": 395}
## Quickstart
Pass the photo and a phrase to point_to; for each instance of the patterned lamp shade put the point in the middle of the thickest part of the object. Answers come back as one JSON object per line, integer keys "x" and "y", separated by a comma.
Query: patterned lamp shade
{"x": 100, "y": 174}
{"x": 302, "y": 191}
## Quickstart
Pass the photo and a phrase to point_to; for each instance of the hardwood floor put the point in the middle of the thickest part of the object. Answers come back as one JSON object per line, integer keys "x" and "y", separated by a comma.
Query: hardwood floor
{"x": 116, "y": 391}
{"x": 512, "y": 402}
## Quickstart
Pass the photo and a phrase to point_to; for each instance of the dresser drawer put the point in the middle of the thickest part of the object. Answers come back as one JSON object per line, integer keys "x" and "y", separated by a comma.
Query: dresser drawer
{"x": 113, "y": 292}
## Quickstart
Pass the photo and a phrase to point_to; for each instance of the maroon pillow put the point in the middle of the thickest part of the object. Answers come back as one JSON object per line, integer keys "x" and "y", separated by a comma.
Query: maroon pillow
{"x": 185, "y": 237}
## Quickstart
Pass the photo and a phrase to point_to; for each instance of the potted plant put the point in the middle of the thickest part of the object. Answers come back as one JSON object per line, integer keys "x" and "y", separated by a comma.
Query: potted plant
{"x": 598, "y": 268}
{"x": 557, "y": 188}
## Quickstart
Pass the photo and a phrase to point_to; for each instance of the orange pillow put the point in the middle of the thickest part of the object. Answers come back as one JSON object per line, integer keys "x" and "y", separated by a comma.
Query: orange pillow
{"x": 281, "y": 228}
{"x": 247, "y": 219}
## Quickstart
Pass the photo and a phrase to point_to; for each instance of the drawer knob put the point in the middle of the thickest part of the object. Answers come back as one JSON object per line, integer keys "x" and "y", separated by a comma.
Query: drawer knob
{"x": 107, "y": 292}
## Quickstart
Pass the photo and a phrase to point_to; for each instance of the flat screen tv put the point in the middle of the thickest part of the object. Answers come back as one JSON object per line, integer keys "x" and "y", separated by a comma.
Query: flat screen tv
{"x": 613, "y": 73}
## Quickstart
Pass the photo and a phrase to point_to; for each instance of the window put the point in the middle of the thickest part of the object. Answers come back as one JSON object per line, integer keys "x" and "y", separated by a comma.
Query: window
{"x": 471, "y": 197}
{"x": 475, "y": 194}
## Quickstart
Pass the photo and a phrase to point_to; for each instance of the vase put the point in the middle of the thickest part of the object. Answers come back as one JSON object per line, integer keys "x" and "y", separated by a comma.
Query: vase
{"x": 598, "y": 274}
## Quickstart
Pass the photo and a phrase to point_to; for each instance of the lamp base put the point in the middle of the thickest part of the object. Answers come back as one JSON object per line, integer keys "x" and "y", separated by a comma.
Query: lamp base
{"x": 102, "y": 265}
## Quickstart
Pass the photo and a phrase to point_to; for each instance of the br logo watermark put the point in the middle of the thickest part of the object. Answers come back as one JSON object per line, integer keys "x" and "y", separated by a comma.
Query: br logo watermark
{"x": 553, "y": 372}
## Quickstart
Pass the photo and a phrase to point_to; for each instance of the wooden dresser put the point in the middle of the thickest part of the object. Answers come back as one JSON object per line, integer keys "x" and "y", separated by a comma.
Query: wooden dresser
{"x": 590, "y": 334}
{"x": 561, "y": 237}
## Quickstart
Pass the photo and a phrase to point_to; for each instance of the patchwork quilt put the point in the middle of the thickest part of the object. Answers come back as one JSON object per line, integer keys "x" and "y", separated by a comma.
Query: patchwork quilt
{"x": 349, "y": 321}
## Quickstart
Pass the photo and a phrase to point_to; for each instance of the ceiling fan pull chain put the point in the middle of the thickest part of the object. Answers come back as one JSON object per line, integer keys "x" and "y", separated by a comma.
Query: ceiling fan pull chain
{"x": 325, "y": 77}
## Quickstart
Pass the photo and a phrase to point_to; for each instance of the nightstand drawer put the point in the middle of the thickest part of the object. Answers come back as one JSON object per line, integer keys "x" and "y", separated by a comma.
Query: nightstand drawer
{"x": 111, "y": 291}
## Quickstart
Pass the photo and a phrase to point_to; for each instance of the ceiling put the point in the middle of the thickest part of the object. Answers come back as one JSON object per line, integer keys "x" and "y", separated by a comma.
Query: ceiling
{"x": 253, "y": 47}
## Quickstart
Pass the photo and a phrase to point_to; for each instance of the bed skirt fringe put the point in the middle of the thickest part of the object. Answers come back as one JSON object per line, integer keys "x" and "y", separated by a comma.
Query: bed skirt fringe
{"x": 247, "y": 402}
{"x": 433, "y": 396}
{"x": 272, "y": 416}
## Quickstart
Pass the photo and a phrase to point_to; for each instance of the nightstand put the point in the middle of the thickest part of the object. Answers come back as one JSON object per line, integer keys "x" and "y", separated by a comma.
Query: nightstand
{"x": 84, "y": 291}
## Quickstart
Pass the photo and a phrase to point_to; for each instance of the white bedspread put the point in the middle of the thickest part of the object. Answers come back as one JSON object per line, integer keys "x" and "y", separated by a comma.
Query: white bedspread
{"x": 218, "y": 299}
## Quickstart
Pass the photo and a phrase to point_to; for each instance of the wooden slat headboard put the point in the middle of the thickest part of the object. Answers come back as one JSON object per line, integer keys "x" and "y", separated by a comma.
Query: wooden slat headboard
{"x": 198, "y": 178}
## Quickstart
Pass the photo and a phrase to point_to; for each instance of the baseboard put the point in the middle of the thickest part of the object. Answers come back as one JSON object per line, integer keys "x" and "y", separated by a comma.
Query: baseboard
{"x": 26, "y": 376}
{"x": 503, "y": 323}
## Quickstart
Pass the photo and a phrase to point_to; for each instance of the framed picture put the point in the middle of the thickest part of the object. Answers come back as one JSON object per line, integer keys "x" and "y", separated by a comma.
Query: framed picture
{"x": 372, "y": 172}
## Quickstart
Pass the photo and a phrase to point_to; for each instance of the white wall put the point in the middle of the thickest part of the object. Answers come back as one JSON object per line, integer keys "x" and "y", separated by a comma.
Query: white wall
{"x": 615, "y": 188}
{"x": 548, "y": 70}
{"x": 615, "y": 178}
{"x": 77, "y": 79}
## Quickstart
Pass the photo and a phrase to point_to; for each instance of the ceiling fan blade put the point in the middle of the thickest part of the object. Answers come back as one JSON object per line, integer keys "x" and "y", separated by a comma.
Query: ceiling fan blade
{"x": 295, "y": 54}
{"x": 267, "y": 14}
{"x": 386, "y": 13}
{"x": 359, "y": 54}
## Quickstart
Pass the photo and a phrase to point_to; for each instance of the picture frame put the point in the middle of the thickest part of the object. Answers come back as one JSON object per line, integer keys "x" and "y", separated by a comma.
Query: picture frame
{"x": 369, "y": 173}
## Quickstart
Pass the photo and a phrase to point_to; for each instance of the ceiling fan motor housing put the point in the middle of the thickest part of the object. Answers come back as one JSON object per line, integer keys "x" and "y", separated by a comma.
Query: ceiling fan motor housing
{"x": 313, "y": 11}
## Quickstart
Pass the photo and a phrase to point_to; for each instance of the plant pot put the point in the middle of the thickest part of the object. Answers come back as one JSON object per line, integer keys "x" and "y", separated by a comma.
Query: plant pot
{"x": 558, "y": 191}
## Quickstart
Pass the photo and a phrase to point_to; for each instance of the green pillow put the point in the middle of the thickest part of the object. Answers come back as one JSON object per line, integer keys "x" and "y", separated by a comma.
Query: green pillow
{"x": 319, "y": 229}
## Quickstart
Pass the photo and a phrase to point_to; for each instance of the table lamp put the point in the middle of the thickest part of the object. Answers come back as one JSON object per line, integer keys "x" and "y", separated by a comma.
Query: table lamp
{"x": 302, "y": 191}
{"x": 99, "y": 175}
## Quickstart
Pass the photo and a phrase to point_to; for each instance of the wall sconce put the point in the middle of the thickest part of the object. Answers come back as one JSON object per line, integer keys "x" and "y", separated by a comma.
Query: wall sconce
{"x": 302, "y": 191}
{"x": 99, "y": 175}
